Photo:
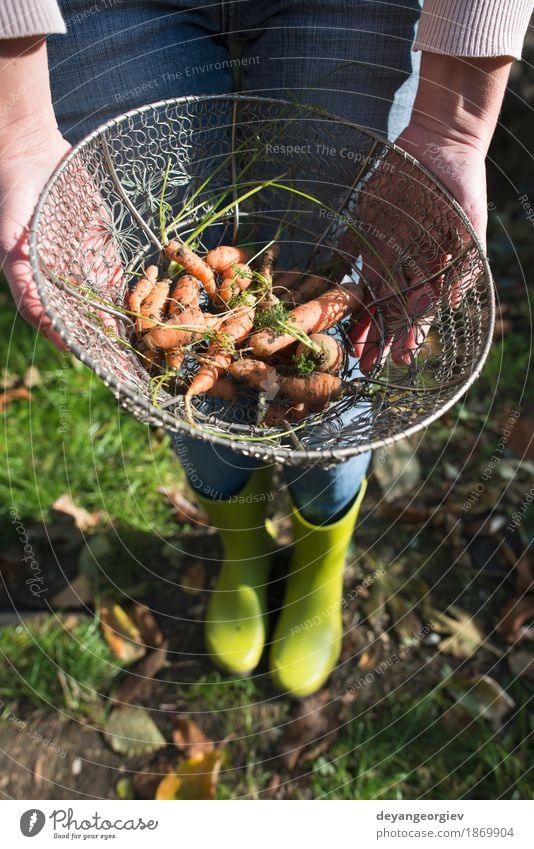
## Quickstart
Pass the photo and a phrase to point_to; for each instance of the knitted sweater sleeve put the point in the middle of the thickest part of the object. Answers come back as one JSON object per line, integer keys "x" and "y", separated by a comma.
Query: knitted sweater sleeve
{"x": 20, "y": 18}
{"x": 474, "y": 28}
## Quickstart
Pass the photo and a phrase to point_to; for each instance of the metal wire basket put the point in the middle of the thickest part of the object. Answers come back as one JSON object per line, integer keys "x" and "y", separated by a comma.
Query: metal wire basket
{"x": 256, "y": 169}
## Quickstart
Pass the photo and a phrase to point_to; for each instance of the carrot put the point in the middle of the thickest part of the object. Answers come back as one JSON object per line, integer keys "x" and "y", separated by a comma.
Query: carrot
{"x": 319, "y": 314}
{"x": 264, "y": 270}
{"x": 240, "y": 273}
{"x": 278, "y": 413}
{"x": 142, "y": 288}
{"x": 152, "y": 361}
{"x": 224, "y": 389}
{"x": 236, "y": 278}
{"x": 219, "y": 259}
{"x": 308, "y": 289}
{"x": 153, "y": 306}
{"x": 332, "y": 354}
{"x": 185, "y": 294}
{"x": 255, "y": 373}
{"x": 219, "y": 355}
{"x": 193, "y": 264}
{"x": 314, "y": 389}
{"x": 177, "y": 331}
{"x": 174, "y": 358}
{"x": 285, "y": 281}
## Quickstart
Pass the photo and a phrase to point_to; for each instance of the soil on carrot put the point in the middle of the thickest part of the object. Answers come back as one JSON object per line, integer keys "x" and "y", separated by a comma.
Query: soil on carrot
{"x": 430, "y": 697}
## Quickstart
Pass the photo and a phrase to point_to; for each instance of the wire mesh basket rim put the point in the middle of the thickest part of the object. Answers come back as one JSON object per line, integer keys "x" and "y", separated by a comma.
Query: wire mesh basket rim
{"x": 158, "y": 416}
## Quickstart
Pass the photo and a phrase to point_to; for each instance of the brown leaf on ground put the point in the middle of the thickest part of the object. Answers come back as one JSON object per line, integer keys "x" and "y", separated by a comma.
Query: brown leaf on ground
{"x": 406, "y": 510}
{"x": 10, "y": 395}
{"x": 192, "y": 581}
{"x": 131, "y": 731}
{"x": 311, "y": 731}
{"x": 140, "y": 675}
{"x": 189, "y": 738}
{"x": 121, "y": 634}
{"x": 83, "y": 520}
{"x": 465, "y": 635}
{"x": 521, "y": 567}
{"x": 521, "y": 439}
{"x": 184, "y": 509}
{"x": 481, "y": 696}
{"x": 195, "y": 778}
{"x": 515, "y": 616}
{"x": 147, "y": 625}
{"x": 146, "y": 781}
{"x": 405, "y": 620}
{"x": 397, "y": 469}
{"x": 273, "y": 789}
{"x": 78, "y": 593}
{"x": 522, "y": 663}
{"x": 524, "y": 576}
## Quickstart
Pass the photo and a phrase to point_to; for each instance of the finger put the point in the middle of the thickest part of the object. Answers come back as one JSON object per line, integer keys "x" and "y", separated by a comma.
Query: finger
{"x": 405, "y": 348}
{"x": 360, "y": 330}
{"x": 377, "y": 346}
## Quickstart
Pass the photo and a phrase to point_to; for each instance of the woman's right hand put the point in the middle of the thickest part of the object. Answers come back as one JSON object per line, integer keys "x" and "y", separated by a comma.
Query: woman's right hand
{"x": 23, "y": 174}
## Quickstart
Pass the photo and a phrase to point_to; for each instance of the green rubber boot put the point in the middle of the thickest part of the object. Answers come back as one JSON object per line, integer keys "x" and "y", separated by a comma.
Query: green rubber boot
{"x": 236, "y": 617}
{"x": 307, "y": 640}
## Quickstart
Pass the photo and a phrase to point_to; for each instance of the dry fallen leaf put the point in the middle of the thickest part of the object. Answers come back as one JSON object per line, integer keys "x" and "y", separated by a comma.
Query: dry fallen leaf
{"x": 465, "y": 636}
{"x": 524, "y": 576}
{"x": 147, "y": 625}
{"x": 84, "y": 521}
{"x": 120, "y": 633}
{"x": 396, "y": 469}
{"x": 185, "y": 510}
{"x": 79, "y": 592}
{"x": 521, "y": 441}
{"x": 522, "y": 663}
{"x": 195, "y": 778}
{"x": 311, "y": 731}
{"x": 131, "y": 731}
{"x": 481, "y": 696}
{"x": 405, "y": 620}
{"x": 406, "y": 510}
{"x": 10, "y": 395}
{"x": 140, "y": 675}
{"x": 515, "y": 615}
{"x": 146, "y": 781}
{"x": 193, "y": 579}
{"x": 189, "y": 738}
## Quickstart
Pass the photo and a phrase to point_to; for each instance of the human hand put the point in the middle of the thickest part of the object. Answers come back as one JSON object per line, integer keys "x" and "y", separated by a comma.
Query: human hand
{"x": 23, "y": 175}
{"x": 413, "y": 255}
{"x": 411, "y": 234}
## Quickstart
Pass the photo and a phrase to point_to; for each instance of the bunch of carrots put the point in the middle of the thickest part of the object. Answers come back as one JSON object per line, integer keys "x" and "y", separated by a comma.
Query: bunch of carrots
{"x": 252, "y": 330}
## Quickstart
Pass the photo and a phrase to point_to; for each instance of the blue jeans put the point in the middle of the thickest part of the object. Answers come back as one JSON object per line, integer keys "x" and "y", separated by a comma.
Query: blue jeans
{"x": 352, "y": 57}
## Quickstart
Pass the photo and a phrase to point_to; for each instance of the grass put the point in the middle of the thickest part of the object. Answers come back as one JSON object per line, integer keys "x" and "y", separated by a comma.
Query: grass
{"x": 49, "y": 664}
{"x": 404, "y": 752}
{"x": 399, "y": 749}
{"x": 106, "y": 459}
